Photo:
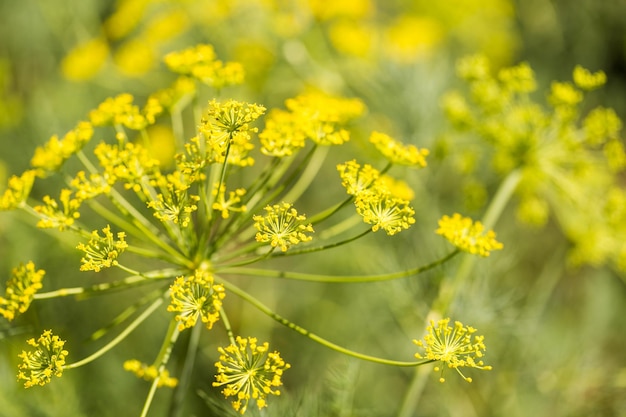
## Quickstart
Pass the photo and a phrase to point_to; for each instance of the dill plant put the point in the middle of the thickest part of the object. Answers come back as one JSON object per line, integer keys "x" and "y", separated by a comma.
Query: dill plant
{"x": 205, "y": 222}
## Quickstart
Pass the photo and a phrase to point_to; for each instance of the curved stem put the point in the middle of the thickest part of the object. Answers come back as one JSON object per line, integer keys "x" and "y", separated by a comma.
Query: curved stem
{"x": 336, "y": 278}
{"x": 263, "y": 308}
{"x": 132, "y": 326}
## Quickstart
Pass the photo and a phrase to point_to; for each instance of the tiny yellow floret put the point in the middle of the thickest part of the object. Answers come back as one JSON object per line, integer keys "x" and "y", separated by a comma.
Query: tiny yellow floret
{"x": 45, "y": 361}
{"x": 468, "y": 235}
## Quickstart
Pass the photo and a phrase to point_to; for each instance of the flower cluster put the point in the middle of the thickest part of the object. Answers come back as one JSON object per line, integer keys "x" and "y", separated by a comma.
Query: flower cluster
{"x": 102, "y": 251}
{"x": 46, "y": 361}
{"x": 201, "y": 63}
{"x": 455, "y": 348}
{"x": 196, "y": 296}
{"x": 565, "y": 158}
{"x": 282, "y": 226}
{"x": 468, "y": 235}
{"x": 249, "y": 371}
{"x": 25, "y": 281}
{"x": 150, "y": 373}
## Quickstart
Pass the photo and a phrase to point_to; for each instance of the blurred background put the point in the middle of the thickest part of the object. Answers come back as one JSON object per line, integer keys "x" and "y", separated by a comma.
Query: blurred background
{"x": 555, "y": 334}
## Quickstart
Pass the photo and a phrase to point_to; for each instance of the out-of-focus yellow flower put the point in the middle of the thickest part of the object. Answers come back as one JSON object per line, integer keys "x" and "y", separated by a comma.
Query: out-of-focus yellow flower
{"x": 397, "y": 152}
{"x": 468, "y": 235}
{"x": 352, "y": 37}
{"x": 20, "y": 289}
{"x": 17, "y": 190}
{"x": 85, "y": 60}
{"x": 412, "y": 37}
{"x": 135, "y": 57}
{"x": 150, "y": 373}
{"x": 584, "y": 79}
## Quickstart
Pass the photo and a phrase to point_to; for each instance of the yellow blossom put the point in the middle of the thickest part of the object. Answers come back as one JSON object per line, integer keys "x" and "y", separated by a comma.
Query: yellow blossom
{"x": 453, "y": 347}
{"x": 468, "y": 235}
{"x": 85, "y": 60}
{"x": 356, "y": 179}
{"x": 248, "y": 371}
{"x": 225, "y": 206}
{"x": 20, "y": 289}
{"x": 130, "y": 163}
{"x": 585, "y": 80}
{"x": 51, "y": 156}
{"x": 45, "y": 361}
{"x": 17, "y": 190}
{"x": 61, "y": 214}
{"x": 150, "y": 373}
{"x": 384, "y": 211}
{"x": 397, "y": 152}
{"x": 282, "y": 135}
{"x": 175, "y": 204}
{"x": 282, "y": 226}
{"x": 118, "y": 110}
{"x": 194, "y": 297}
{"x": 102, "y": 251}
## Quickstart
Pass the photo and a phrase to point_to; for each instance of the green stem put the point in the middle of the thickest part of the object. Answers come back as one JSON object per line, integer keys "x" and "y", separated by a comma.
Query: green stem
{"x": 336, "y": 278}
{"x": 132, "y": 326}
{"x": 162, "y": 359}
{"x": 185, "y": 375}
{"x": 229, "y": 330}
{"x": 321, "y": 248}
{"x": 263, "y": 308}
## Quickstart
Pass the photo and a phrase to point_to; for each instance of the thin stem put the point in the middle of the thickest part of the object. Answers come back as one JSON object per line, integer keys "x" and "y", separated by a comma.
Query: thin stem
{"x": 263, "y": 308}
{"x": 185, "y": 375}
{"x": 321, "y": 248}
{"x": 336, "y": 278}
{"x": 132, "y": 326}
{"x": 162, "y": 359}
{"x": 229, "y": 330}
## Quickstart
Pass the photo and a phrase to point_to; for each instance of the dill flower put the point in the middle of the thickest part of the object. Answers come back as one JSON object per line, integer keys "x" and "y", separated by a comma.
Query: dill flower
{"x": 130, "y": 163}
{"x": 282, "y": 226}
{"x": 282, "y": 135}
{"x": 196, "y": 297}
{"x": 45, "y": 361}
{"x": 398, "y": 153}
{"x": 383, "y": 211}
{"x": 468, "y": 235}
{"x": 249, "y": 371}
{"x": 226, "y": 127}
{"x": 454, "y": 347}
{"x": 201, "y": 62}
{"x": 176, "y": 204}
{"x": 150, "y": 373}
{"x": 61, "y": 214}
{"x": 225, "y": 206}
{"x": 20, "y": 288}
{"x": 17, "y": 190}
{"x": 356, "y": 179}
{"x": 102, "y": 251}
{"x": 53, "y": 154}
{"x": 584, "y": 79}
{"x": 119, "y": 110}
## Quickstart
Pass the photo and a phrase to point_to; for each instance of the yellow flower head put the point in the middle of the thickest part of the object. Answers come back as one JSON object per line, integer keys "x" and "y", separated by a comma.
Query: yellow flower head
{"x": 119, "y": 110}
{"x": 397, "y": 152}
{"x": 175, "y": 204}
{"x": 249, "y": 371}
{"x": 130, "y": 163}
{"x": 357, "y": 179}
{"x": 17, "y": 190}
{"x": 454, "y": 347}
{"x": 52, "y": 155}
{"x": 585, "y": 80}
{"x": 150, "y": 373}
{"x": 282, "y": 135}
{"x": 201, "y": 63}
{"x": 102, "y": 251}
{"x": 20, "y": 289}
{"x": 61, "y": 214}
{"x": 322, "y": 116}
{"x": 196, "y": 296}
{"x": 383, "y": 211}
{"x": 47, "y": 360}
{"x": 225, "y": 206}
{"x": 467, "y": 235}
{"x": 282, "y": 226}
{"x": 227, "y": 124}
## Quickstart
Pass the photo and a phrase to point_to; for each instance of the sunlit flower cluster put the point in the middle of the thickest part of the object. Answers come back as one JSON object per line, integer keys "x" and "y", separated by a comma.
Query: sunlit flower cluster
{"x": 25, "y": 281}
{"x": 201, "y": 63}
{"x": 196, "y": 296}
{"x": 282, "y": 226}
{"x": 150, "y": 373}
{"x": 102, "y": 251}
{"x": 468, "y": 235}
{"x": 455, "y": 347}
{"x": 249, "y": 371}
